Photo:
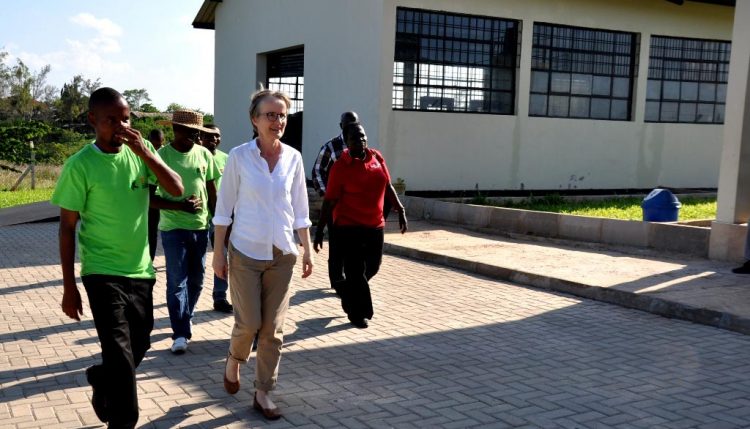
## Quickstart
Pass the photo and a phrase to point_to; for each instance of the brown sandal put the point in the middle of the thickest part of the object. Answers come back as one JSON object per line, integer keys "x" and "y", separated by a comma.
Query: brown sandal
{"x": 269, "y": 413}
{"x": 231, "y": 387}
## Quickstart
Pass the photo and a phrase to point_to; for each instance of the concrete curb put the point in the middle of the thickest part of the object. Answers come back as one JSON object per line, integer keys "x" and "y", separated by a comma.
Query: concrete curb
{"x": 643, "y": 302}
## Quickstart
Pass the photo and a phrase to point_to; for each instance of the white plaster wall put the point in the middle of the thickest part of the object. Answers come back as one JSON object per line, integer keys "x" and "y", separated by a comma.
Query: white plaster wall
{"x": 342, "y": 47}
{"x": 450, "y": 151}
{"x": 348, "y": 66}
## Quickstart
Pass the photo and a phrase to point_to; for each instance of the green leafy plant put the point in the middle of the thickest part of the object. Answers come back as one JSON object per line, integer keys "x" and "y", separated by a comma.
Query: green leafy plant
{"x": 15, "y": 138}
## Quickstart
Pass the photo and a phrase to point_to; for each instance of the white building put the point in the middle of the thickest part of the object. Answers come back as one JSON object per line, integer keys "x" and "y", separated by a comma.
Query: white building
{"x": 494, "y": 94}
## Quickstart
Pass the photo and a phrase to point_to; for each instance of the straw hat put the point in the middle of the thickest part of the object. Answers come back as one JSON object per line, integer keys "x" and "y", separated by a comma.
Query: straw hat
{"x": 187, "y": 118}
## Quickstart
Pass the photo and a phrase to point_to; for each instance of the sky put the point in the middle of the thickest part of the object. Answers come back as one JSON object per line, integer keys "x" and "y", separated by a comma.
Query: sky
{"x": 132, "y": 44}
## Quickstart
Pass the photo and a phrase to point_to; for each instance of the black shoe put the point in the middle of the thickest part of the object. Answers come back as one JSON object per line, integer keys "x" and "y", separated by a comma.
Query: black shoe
{"x": 223, "y": 306}
{"x": 744, "y": 269}
{"x": 360, "y": 323}
{"x": 98, "y": 401}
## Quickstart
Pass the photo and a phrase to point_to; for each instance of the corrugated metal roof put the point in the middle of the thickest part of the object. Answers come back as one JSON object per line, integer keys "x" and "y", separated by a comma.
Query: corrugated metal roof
{"x": 206, "y": 17}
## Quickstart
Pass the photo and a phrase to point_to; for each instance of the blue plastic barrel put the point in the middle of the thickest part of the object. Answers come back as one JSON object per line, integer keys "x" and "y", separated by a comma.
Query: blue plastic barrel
{"x": 660, "y": 206}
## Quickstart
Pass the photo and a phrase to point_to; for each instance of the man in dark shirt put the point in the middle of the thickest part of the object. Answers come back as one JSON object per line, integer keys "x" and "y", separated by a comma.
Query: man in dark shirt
{"x": 329, "y": 153}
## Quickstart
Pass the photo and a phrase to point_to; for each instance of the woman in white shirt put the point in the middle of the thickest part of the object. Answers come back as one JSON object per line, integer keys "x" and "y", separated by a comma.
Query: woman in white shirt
{"x": 263, "y": 196}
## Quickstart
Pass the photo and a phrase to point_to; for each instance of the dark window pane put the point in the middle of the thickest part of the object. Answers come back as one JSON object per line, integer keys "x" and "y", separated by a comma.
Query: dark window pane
{"x": 538, "y": 105}
{"x": 652, "y": 111}
{"x": 619, "y": 109}
{"x": 579, "y": 107}
{"x": 560, "y": 82}
{"x": 719, "y": 114}
{"x": 620, "y": 87}
{"x": 600, "y": 108}
{"x": 580, "y": 84}
{"x": 671, "y": 90}
{"x": 669, "y": 111}
{"x": 721, "y": 93}
{"x": 705, "y": 113}
{"x": 653, "y": 89}
{"x": 689, "y": 91}
{"x": 502, "y": 102}
{"x": 687, "y": 112}
{"x": 602, "y": 85}
{"x": 539, "y": 81}
{"x": 502, "y": 79}
{"x": 707, "y": 92}
{"x": 558, "y": 105}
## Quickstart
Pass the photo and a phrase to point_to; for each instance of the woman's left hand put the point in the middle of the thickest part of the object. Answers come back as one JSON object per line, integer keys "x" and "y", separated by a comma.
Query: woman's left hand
{"x": 307, "y": 265}
{"x": 402, "y": 224}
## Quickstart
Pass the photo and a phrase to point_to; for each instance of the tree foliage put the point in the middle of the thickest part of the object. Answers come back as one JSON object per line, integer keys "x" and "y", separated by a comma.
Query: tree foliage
{"x": 149, "y": 108}
{"x": 135, "y": 97}
{"x": 15, "y": 138}
{"x": 55, "y": 119}
{"x": 74, "y": 99}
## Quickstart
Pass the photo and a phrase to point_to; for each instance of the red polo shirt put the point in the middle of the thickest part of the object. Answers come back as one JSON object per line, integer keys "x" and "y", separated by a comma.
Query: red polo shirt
{"x": 359, "y": 187}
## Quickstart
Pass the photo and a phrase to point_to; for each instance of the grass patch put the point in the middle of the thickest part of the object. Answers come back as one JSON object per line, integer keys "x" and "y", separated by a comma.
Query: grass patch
{"x": 627, "y": 208}
{"x": 24, "y": 196}
{"x": 46, "y": 177}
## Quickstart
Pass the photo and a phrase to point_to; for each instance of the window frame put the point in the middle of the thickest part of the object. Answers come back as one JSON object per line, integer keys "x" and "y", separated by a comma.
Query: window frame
{"x": 661, "y": 70}
{"x": 556, "y": 50}
{"x": 421, "y": 62}
{"x": 284, "y": 65}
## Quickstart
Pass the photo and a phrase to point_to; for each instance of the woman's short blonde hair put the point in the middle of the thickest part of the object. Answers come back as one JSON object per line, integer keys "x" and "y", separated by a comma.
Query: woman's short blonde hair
{"x": 260, "y": 95}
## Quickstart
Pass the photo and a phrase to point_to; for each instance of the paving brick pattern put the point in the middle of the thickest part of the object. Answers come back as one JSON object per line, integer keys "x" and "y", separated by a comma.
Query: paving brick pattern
{"x": 445, "y": 350}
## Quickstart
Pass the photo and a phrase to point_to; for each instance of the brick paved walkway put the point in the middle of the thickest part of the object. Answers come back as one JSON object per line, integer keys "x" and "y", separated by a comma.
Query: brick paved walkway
{"x": 445, "y": 349}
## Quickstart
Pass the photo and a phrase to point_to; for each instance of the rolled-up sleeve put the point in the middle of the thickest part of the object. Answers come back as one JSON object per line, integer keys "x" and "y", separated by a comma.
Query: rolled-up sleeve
{"x": 300, "y": 205}
{"x": 228, "y": 192}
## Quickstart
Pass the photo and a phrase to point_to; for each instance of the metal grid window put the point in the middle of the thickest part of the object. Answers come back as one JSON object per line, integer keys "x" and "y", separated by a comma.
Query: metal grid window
{"x": 687, "y": 80}
{"x": 582, "y": 73}
{"x": 285, "y": 71}
{"x": 454, "y": 62}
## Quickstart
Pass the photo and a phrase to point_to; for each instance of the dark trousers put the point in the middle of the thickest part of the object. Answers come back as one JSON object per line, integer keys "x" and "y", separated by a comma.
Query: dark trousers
{"x": 362, "y": 250}
{"x": 335, "y": 262}
{"x": 123, "y": 314}
{"x": 153, "y": 231}
{"x": 336, "y": 255}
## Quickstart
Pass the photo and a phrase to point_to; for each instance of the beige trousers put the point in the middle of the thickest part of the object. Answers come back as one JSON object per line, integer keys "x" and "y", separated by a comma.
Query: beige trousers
{"x": 260, "y": 295}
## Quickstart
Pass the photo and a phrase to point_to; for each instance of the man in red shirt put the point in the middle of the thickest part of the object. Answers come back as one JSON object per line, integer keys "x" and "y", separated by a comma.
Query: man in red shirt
{"x": 357, "y": 185}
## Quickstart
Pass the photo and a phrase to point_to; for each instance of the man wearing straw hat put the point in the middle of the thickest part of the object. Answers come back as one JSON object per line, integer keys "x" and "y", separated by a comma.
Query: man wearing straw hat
{"x": 185, "y": 220}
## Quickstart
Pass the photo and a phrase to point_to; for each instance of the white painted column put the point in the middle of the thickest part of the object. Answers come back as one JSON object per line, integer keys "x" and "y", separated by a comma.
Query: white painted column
{"x": 727, "y": 238}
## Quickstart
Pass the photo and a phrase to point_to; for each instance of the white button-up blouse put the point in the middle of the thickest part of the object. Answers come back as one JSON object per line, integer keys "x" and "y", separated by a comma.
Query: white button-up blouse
{"x": 267, "y": 207}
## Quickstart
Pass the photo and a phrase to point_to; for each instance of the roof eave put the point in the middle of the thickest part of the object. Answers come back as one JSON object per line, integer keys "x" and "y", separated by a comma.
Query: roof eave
{"x": 206, "y": 16}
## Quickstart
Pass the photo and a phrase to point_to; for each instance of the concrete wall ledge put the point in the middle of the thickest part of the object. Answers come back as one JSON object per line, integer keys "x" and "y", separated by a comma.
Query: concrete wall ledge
{"x": 672, "y": 237}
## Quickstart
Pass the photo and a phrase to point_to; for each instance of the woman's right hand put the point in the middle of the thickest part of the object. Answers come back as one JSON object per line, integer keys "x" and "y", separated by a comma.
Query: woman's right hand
{"x": 220, "y": 263}
{"x": 318, "y": 240}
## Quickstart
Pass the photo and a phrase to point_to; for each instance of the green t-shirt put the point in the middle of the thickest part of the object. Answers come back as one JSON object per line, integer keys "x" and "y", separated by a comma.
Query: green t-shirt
{"x": 110, "y": 193}
{"x": 221, "y": 160}
{"x": 195, "y": 167}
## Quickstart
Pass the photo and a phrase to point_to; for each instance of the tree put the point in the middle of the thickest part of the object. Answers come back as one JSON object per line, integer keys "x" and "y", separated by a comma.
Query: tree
{"x": 135, "y": 97}
{"x": 40, "y": 91}
{"x": 24, "y": 93}
{"x": 149, "y": 108}
{"x": 174, "y": 106}
{"x": 74, "y": 98}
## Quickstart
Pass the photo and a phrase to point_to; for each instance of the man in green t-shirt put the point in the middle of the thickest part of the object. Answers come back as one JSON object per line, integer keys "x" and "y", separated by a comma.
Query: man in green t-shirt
{"x": 211, "y": 142}
{"x": 184, "y": 221}
{"x": 105, "y": 187}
